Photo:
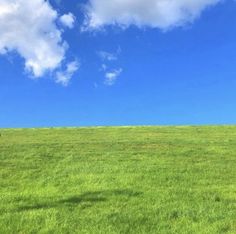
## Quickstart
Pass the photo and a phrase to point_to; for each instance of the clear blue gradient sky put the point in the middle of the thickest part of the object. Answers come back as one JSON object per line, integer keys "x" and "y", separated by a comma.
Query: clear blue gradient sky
{"x": 184, "y": 76}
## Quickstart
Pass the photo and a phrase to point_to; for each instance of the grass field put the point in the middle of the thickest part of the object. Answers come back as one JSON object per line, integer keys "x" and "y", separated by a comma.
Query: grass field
{"x": 118, "y": 180}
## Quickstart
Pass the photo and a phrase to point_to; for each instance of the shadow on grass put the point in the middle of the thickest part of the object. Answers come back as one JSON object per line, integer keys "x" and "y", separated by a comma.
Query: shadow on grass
{"x": 88, "y": 198}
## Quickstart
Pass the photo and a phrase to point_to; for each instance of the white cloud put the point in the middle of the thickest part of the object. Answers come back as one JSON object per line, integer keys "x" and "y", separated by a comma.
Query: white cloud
{"x": 63, "y": 77}
{"x": 28, "y": 27}
{"x": 107, "y": 56}
{"x": 163, "y": 14}
{"x": 103, "y": 67}
{"x": 112, "y": 76}
{"x": 68, "y": 20}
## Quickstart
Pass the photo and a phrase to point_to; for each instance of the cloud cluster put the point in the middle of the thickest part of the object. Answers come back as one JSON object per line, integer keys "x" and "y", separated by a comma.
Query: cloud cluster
{"x": 104, "y": 55}
{"x": 108, "y": 58}
{"x": 68, "y": 20}
{"x": 29, "y": 28}
{"x": 163, "y": 14}
{"x": 63, "y": 77}
{"x": 112, "y": 76}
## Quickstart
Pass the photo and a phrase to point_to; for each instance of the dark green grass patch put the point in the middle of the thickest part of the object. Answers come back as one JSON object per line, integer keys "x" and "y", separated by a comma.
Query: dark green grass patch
{"x": 118, "y": 180}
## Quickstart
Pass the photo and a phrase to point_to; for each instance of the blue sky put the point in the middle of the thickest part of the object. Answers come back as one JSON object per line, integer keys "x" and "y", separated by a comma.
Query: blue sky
{"x": 142, "y": 72}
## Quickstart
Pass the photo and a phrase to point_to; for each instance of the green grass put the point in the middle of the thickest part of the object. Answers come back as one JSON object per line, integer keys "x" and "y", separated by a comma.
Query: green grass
{"x": 118, "y": 180}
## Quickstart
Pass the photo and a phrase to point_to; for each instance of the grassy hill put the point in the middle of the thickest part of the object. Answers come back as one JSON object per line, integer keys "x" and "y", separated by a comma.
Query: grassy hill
{"x": 118, "y": 180}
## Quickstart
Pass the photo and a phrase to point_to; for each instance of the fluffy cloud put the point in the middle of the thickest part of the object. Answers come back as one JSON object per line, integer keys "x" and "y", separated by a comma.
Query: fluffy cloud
{"x": 63, "y": 77}
{"x": 68, "y": 20}
{"x": 163, "y": 14}
{"x": 112, "y": 76}
{"x": 29, "y": 28}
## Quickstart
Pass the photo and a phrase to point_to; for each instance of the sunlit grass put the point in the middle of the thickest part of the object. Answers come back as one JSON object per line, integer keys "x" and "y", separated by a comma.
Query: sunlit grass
{"x": 118, "y": 180}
